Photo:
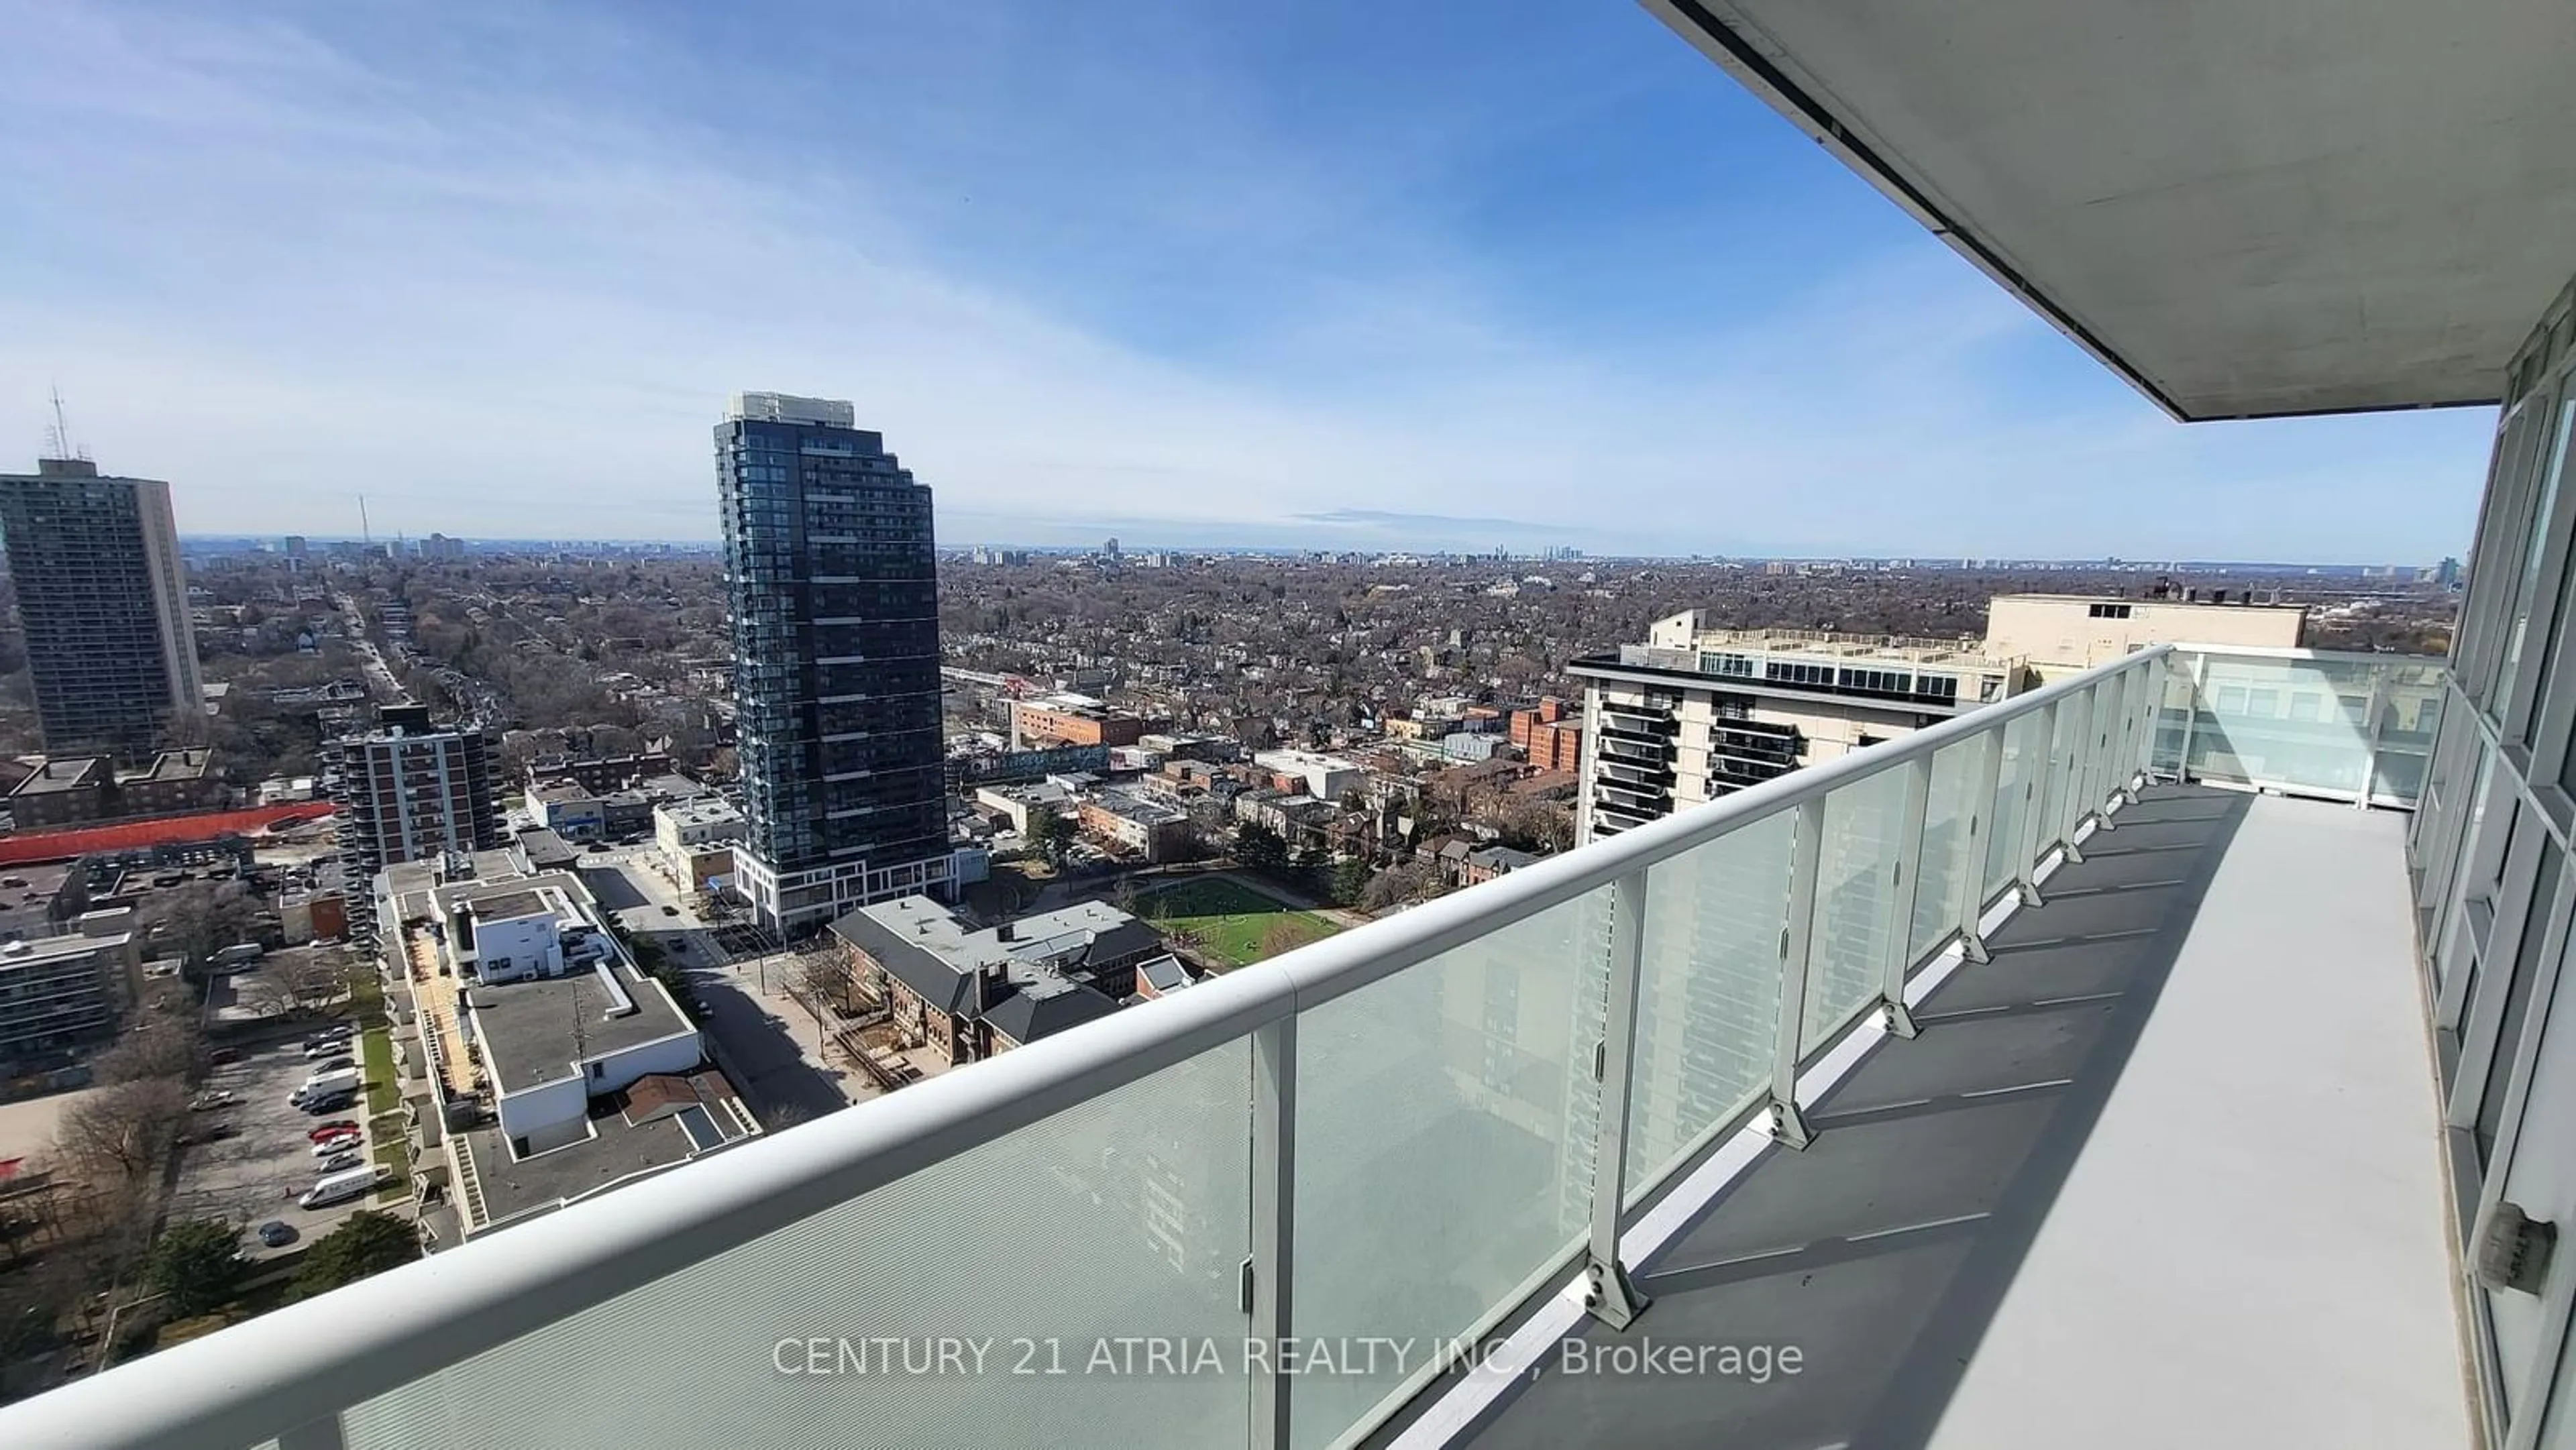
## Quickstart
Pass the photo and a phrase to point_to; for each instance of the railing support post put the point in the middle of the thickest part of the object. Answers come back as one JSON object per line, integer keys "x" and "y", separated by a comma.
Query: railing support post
{"x": 1907, "y": 887}
{"x": 2190, "y": 717}
{"x": 1270, "y": 1274}
{"x": 2079, "y": 768}
{"x": 1609, "y": 1295}
{"x": 2037, "y": 790}
{"x": 1971, "y": 903}
{"x": 2108, "y": 722}
{"x": 2142, "y": 718}
{"x": 2370, "y": 752}
{"x": 2124, "y": 724}
{"x": 1796, "y": 937}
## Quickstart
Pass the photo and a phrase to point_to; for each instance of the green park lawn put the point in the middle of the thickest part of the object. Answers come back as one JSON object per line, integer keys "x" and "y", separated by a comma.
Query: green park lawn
{"x": 1230, "y": 922}
{"x": 376, "y": 1055}
{"x": 395, "y": 1155}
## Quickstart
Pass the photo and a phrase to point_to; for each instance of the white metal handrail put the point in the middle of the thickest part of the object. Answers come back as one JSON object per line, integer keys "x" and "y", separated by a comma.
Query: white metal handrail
{"x": 289, "y": 1374}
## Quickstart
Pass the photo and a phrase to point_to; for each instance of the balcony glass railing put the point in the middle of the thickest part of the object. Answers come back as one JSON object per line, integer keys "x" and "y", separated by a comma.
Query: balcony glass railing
{"x": 2355, "y": 727}
{"x": 1643, "y": 751}
{"x": 1262, "y": 1211}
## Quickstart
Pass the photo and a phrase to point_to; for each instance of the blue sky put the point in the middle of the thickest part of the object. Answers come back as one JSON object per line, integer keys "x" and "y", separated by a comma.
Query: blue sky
{"x": 1430, "y": 274}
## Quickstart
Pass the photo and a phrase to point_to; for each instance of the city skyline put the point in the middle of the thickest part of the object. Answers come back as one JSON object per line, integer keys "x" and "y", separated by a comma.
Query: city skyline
{"x": 1099, "y": 276}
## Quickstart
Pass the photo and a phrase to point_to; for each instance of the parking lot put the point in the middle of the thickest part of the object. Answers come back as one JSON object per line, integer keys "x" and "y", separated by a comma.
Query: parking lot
{"x": 254, "y": 1174}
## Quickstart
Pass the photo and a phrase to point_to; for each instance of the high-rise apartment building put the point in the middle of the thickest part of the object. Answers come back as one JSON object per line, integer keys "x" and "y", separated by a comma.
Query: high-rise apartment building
{"x": 96, "y": 564}
{"x": 410, "y": 790}
{"x": 1695, "y": 713}
{"x": 833, "y": 584}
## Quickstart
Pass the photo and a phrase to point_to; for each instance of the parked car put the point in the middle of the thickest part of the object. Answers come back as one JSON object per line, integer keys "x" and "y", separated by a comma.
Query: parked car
{"x": 333, "y": 1103}
{"x": 336, "y": 1125}
{"x": 276, "y": 1233}
{"x": 207, "y": 1102}
{"x": 222, "y": 1055}
{"x": 341, "y": 1063}
{"x": 339, "y": 1142}
{"x": 204, "y": 1133}
{"x": 343, "y": 1162}
{"x": 326, "y": 1042}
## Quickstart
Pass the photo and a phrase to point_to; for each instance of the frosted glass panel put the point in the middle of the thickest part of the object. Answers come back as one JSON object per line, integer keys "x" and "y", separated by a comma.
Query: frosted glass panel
{"x": 2025, "y": 752}
{"x": 1946, "y": 846}
{"x": 1708, "y": 998}
{"x": 1446, "y": 1121}
{"x": 2057, "y": 782}
{"x": 1127, "y": 1215}
{"x": 2173, "y": 707}
{"x": 1855, "y": 890}
{"x": 2131, "y": 693}
{"x": 2410, "y": 714}
{"x": 2299, "y": 724}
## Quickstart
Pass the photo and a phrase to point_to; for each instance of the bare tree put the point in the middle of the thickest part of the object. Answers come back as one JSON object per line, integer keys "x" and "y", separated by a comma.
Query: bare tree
{"x": 317, "y": 976}
{"x": 1398, "y": 884}
{"x": 161, "y": 1047}
{"x": 1283, "y": 934}
{"x": 823, "y": 978}
{"x": 202, "y": 918}
{"x": 115, "y": 1137}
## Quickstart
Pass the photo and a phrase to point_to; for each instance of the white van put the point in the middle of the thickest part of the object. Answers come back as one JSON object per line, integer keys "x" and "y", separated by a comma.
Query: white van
{"x": 333, "y": 1080}
{"x": 344, "y": 1185}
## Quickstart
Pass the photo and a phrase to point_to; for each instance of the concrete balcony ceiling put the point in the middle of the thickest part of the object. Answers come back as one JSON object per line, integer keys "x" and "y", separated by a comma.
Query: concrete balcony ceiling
{"x": 2245, "y": 210}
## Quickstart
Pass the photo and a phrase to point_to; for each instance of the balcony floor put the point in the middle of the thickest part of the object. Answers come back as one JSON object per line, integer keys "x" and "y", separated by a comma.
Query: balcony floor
{"x": 2165, "y": 1172}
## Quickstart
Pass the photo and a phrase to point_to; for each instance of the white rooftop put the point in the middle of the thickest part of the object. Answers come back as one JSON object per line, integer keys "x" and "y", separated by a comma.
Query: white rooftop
{"x": 789, "y": 408}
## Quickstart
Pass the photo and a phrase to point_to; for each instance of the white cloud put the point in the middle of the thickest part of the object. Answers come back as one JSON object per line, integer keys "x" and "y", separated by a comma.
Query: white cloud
{"x": 280, "y": 275}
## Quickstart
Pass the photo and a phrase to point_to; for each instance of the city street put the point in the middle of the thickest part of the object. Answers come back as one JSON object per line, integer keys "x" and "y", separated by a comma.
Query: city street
{"x": 764, "y": 1040}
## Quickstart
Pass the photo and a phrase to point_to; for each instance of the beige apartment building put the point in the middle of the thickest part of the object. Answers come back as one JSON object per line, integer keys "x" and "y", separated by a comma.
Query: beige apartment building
{"x": 1697, "y": 713}
{"x": 2063, "y": 633}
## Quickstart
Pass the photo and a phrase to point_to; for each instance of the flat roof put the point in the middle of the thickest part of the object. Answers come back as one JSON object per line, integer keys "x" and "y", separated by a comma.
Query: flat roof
{"x": 1302, "y": 760}
{"x": 539, "y": 1030}
{"x": 175, "y": 765}
{"x": 418, "y": 894}
{"x": 203, "y": 826}
{"x": 36, "y": 950}
{"x": 1611, "y": 667}
{"x": 1836, "y": 645}
{"x": 615, "y": 1149}
{"x": 544, "y": 849}
{"x": 2246, "y": 211}
{"x": 701, "y": 811}
{"x": 511, "y": 905}
{"x": 66, "y": 773}
{"x": 1137, "y": 808}
{"x": 2145, "y": 599}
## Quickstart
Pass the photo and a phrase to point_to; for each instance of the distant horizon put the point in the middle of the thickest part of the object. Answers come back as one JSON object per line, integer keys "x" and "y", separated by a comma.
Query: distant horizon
{"x": 1916, "y": 559}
